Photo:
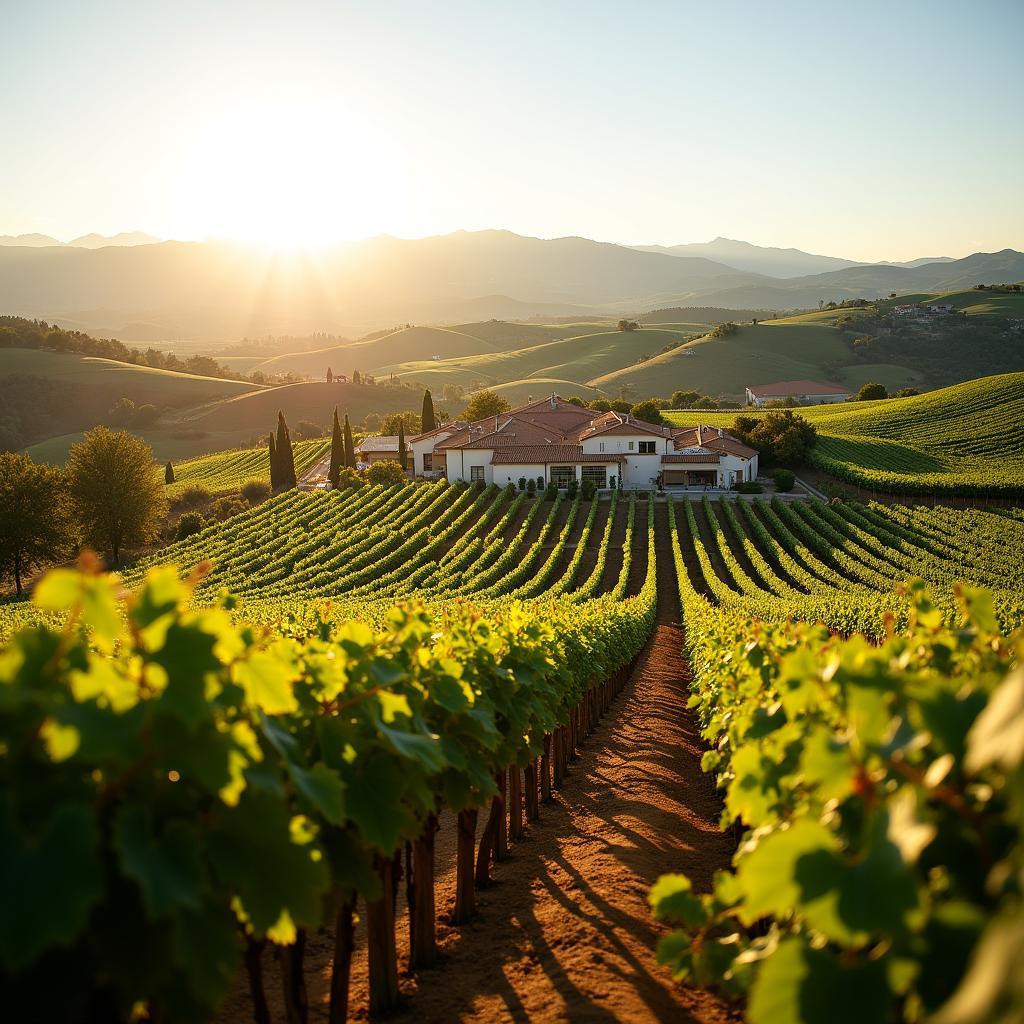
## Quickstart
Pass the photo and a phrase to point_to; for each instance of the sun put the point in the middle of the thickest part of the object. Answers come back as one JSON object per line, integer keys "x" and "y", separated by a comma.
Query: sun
{"x": 291, "y": 176}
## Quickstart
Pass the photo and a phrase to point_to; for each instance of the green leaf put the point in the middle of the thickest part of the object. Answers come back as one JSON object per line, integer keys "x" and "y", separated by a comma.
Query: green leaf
{"x": 267, "y": 678}
{"x": 323, "y": 789}
{"x": 165, "y": 866}
{"x": 997, "y": 736}
{"x": 672, "y": 899}
{"x": 50, "y": 882}
{"x": 800, "y": 985}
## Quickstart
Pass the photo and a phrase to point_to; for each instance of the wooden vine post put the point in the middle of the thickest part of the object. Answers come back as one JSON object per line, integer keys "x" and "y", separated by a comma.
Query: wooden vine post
{"x": 465, "y": 894}
{"x": 341, "y": 969}
{"x": 422, "y": 911}
{"x": 380, "y": 941}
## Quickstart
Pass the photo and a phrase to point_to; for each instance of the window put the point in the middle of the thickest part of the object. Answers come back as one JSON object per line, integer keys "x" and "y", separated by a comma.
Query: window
{"x": 562, "y": 475}
{"x": 428, "y": 462}
{"x": 647, "y": 447}
{"x": 630, "y": 445}
{"x": 599, "y": 474}
{"x": 476, "y": 473}
{"x": 600, "y": 446}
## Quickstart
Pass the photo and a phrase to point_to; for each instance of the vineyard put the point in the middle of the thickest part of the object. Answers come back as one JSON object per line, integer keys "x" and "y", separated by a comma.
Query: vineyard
{"x": 331, "y": 678}
{"x": 227, "y": 471}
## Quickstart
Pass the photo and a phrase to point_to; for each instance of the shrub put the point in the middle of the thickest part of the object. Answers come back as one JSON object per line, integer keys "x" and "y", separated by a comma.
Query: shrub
{"x": 348, "y": 479}
{"x": 192, "y": 497}
{"x": 748, "y": 487}
{"x": 510, "y": 489}
{"x": 573, "y": 488}
{"x": 589, "y": 489}
{"x": 225, "y": 508}
{"x": 540, "y": 483}
{"x": 869, "y": 392}
{"x": 190, "y": 523}
{"x": 387, "y": 472}
{"x": 255, "y": 491}
{"x": 522, "y": 483}
{"x": 531, "y": 486}
{"x": 781, "y": 436}
{"x": 784, "y": 479}
{"x": 612, "y": 482}
{"x": 647, "y": 411}
{"x": 550, "y": 492}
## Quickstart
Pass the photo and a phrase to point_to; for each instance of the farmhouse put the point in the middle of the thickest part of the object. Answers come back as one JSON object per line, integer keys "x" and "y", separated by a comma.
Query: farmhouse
{"x": 808, "y": 392}
{"x": 379, "y": 449}
{"x": 556, "y": 441}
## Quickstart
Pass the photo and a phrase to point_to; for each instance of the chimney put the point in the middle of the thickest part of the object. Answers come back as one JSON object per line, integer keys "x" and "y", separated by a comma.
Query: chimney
{"x": 554, "y": 403}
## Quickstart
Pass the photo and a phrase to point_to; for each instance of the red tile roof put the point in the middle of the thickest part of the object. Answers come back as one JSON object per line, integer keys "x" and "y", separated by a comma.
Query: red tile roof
{"x": 795, "y": 387}
{"x": 713, "y": 438}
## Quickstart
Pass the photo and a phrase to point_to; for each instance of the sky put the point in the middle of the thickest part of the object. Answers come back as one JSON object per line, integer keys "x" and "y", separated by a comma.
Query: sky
{"x": 886, "y": 130}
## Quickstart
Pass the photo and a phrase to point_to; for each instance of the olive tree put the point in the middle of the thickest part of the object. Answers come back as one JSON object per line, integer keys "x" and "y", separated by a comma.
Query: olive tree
{"x": 116, "y": 496}
{"x": 35, "y": 527}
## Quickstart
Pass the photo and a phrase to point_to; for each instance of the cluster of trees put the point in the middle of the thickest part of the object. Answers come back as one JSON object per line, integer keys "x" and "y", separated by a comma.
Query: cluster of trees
{"x": 125, "y": 413}
{"x": 872, "y": 392}
{"x": 781, "y": 436}
{"x": 628, "y": 325}
{"x": 19, "y": 332}
{"x": 107, "y": 496}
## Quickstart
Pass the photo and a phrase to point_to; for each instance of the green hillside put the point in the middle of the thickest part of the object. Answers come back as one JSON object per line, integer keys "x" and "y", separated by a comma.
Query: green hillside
{"x": 575, "y": 359}
{"x": 99, "y": 382}
{"x": 369, "y": 356}
{"x": 233, "y": 423}
{"x": 963, "y": 439}
{"x": 972, "y": 301}
{"x": 520, "y": 392}
{"x": 759, "y": 354}
{"x": 227, "y": 471}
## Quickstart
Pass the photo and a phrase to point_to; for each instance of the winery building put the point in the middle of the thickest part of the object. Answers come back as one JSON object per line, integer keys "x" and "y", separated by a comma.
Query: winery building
{"x": 556, "y": 441}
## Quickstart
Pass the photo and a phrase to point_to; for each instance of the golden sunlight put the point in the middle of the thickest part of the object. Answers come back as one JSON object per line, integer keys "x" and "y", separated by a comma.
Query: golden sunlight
{"x": 291, "y": 175}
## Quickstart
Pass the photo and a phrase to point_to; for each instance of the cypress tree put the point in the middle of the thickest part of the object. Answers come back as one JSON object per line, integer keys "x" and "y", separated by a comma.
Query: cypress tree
{"x": 350, "y": 448}
{"x": 337, "y": 451}
{"x": 285, "y": 455}
{"x": 402, "y": 455}
{"x": 355, "y": 376}
{"x": 275, "y": 476}
{"x": 330, "y": 376}
{"x": 169, "y": 473}
{"x": 428, "y": 420}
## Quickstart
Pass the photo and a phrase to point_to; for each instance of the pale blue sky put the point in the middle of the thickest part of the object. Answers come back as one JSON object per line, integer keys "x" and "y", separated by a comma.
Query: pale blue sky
{"x": 882, "y": 130}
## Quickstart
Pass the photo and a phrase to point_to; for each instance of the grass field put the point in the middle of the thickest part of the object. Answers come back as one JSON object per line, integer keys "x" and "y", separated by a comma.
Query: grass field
{"x": 771, "y": 351}
{"x": 964, "y": 439}
{"x": 236, "y": 422}
{"x": 104, "y": 381}
{"x": 973, "y": 302}
{"x": 573, "y": 359}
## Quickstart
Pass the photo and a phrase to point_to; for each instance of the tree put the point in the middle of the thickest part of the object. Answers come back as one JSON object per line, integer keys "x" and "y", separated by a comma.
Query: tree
{"x": 620, "y": 405}
{"x": 254, "y": 491}
{"x": 275, "y": 474}
{"x": 781, "y": 435}
{"x": 330, "y": 376}
{"x": 285, "y": 455}
{"x": 628, "y": 325}
{"x": 355, "y": 377}
{"x": 403, "y": 455}
{"x": 428, "y": 421}
{"x": 387, "y": 473}
{"x": 484, "y": 404}
{"x": 116, "y": 497}
{"x": 870, "y": 392}
{"x": 577, "y": 400}
{"x": 684, "y": 399}
{"x": 411, "y": 421}
{"x": 350, "y": 448}
{"x": 189, "y": 525}
{"x": 599, "y": 405}
{"x": 647, "y": 411}
{"x": 337, "y": 450}
{"x": 35, "y": 527}
{"x": 906, "y": 393}
{"x": 168, "y": 473}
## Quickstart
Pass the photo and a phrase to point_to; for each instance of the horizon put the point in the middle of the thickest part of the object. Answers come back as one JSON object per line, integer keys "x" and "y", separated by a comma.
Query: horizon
{"x": 339, "y": 243}
{"x": 323, "y": 124}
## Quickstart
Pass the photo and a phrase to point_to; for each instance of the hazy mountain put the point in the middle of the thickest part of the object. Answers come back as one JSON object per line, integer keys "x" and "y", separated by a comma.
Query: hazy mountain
{"x": 94, "y": 241}
{"x": 223, "y": 291}
{"x": 757, "y": 259}
{"x": 775, "y": 262}
{"x": 33, "y": 240}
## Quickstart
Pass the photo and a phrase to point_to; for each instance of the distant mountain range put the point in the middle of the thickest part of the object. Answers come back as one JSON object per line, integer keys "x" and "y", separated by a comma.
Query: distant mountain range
{"x": 773, "y": 262}
{"x": 219, "y": 291}
{"x": 90, "y": 241}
